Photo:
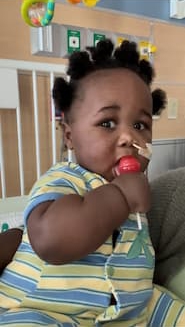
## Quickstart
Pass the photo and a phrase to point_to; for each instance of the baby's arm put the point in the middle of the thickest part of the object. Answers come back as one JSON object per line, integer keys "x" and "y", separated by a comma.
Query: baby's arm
{"x": 73, "y": 226}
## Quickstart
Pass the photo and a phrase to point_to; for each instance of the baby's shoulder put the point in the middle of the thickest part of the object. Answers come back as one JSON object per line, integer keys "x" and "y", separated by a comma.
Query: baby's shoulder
{"x": 70, "y": 173}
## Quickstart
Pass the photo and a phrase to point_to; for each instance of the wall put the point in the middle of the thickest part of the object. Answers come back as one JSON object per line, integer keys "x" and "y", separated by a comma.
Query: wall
{"x": 158, "y": 9}
{"x": 166, "y": 154}
{"x": 169, "y": 60}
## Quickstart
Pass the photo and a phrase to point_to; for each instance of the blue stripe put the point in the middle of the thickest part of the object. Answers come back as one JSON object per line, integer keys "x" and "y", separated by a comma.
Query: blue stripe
{"x": 73, "y": 296}
{"x": 61, "y": 182}
{"x": 134, "y": 313}
{"x": 18, "y": 281}
{"x": 159, "y": 313}
{"x": 40, "y": 199}
{"x": 134, "y": 298}
{"x": 30, "y": 316}
{"x": 90, "y": 259}
{"x": 26, "y": 248}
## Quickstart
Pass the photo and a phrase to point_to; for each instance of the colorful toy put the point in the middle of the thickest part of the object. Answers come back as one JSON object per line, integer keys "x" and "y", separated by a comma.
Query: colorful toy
{"x": 88, "y": 3}
{"x": 37, "y": 13}
{"x": 74, "y": 2}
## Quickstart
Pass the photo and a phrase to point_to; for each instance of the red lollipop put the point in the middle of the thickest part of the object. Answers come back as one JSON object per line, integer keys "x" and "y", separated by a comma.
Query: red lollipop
{"x": 129, "y": 164}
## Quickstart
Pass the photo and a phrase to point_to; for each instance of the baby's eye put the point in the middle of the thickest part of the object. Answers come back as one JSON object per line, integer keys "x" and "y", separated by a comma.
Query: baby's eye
{"x": 140, "y": 126}
{"x": 108, "y": 124}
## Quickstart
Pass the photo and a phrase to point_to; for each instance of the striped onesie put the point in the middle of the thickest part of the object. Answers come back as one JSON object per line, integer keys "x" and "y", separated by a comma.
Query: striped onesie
{"x": 35, "y": 293}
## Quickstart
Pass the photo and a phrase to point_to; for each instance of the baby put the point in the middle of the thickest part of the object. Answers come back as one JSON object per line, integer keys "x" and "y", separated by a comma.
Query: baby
{"x": 83, "y": 261}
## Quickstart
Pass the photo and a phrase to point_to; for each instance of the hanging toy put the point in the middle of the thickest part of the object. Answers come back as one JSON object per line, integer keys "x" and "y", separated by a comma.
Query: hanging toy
{"x": 90, "y": 3}
{"x": 37, "y": 13}
{"x": 74, "y": 2}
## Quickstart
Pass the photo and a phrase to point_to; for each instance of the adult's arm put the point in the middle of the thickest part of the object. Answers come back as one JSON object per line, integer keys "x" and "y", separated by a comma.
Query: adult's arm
{"x": 167, "y": 225}
{"x": 9, "y": 242}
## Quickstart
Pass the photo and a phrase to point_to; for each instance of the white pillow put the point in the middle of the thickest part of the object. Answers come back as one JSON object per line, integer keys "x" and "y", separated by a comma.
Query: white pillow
{"x": 11, "y": 212}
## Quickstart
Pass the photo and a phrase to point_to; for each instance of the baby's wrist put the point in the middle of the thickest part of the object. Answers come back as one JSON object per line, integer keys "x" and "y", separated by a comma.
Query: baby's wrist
{"x": 119, "y": 190}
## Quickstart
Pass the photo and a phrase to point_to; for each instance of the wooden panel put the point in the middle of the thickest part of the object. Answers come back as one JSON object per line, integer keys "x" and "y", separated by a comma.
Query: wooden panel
{"x": 27, "y": 120}
{"x": 9, "y": 132}
{"x": 44, "y": 118}
{"x": 10, "y": 150}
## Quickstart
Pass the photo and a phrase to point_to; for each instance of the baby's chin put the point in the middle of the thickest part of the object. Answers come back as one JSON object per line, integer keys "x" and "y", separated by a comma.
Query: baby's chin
{"x": 111, "y": 176}
{"x": 108, "y": 176}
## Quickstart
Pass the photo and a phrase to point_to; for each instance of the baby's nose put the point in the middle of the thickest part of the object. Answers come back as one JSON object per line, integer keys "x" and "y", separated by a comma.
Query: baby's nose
{"x": 126, "y": 138}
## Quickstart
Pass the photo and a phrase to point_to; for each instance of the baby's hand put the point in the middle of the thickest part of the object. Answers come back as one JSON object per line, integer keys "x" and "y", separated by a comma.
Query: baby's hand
{"x": 136, "y": 190}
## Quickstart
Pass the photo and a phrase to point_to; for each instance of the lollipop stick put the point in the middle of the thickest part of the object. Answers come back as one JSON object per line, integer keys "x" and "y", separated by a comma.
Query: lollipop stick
{"x": 139, "y": 220}
{"x": 136, "y": 146}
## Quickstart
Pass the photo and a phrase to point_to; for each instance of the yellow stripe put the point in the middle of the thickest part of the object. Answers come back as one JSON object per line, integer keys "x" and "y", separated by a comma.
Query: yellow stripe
{"x": 7, "y": 303}
{"x": 130, "y": 286}
{"x": 78, "y": 310}
{"x": 24, "y": 270}
{"x": 71, "y": 283}
{"x": 28, "y": 258}
{"x": 72, "y": 270}
{"x": 172, "y": 314}
{"x": 133, "y": 273}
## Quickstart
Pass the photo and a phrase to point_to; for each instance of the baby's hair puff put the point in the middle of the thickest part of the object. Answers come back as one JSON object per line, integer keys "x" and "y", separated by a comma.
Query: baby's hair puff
{"x": 104, "y": 56}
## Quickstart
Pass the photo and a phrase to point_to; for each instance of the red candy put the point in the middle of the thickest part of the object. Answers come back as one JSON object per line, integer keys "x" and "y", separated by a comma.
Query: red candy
{"x": 128, "y": 164}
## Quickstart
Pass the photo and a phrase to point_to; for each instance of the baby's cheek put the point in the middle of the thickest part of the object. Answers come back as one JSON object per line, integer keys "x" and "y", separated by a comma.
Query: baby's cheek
{"x": 144, "y": 164}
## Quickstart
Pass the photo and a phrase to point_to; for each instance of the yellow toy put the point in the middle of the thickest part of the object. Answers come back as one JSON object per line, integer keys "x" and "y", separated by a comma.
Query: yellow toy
{"x": 146, "y": 49}
{"x": 88, "y": 3}
{"x": 74, "y": 2}
{"x": 37, "y": 13}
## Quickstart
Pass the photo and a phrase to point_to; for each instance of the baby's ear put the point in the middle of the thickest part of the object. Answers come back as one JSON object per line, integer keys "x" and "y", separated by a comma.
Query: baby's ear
{"x": 159, "y": 101}
{"x": 67, "y": 135}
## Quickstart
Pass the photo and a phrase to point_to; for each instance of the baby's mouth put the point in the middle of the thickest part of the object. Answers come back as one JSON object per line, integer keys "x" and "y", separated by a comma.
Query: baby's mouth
{"x": 146, "y": 152}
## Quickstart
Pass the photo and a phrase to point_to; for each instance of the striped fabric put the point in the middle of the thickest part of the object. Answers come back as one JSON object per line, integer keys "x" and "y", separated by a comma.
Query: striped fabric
{"x": 35, "y": 293}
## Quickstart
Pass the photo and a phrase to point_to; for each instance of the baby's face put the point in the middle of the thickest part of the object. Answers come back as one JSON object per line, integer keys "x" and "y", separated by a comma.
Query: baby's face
{"x": 112, "y": 111}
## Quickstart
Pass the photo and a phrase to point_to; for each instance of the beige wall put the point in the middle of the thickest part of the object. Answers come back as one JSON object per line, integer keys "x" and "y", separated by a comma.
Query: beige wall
{"x": 169, "y": 62}
{"x": 169, "y": 59}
